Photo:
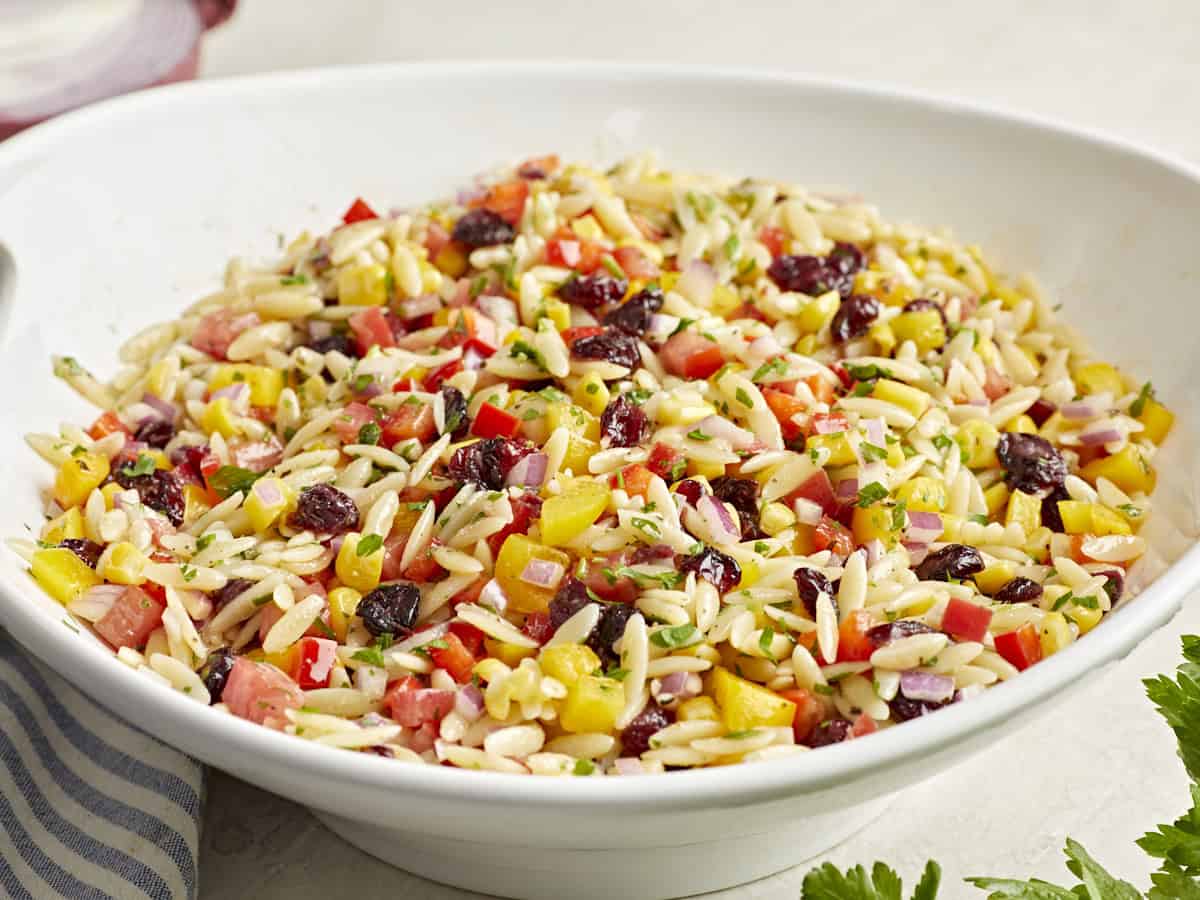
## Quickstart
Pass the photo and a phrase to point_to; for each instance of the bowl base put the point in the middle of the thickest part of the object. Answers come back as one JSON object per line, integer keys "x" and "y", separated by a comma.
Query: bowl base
{"x": 647, "y": 873}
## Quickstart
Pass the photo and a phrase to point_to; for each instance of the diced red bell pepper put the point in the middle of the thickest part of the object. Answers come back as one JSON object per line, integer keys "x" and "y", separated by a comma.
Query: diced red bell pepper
{"x": 409, "y": 420}
{"x": 471, "y": 637}
{"x": 965, "y": 620}
{"x": 538, "y": 626}
{"x": 843, "y": 375}
{"x": 526, "y": 508}
{"x": 506, "y": 200}
{"x": 433, "y": 381}
{"x": 492, "y": 421}
{"x": 691, "y": 356}
{"x": 809, "y": 712}
{"x": 352, "y": 419}
{"x": 772, "y": 238}
{"x": 455, "y": 658}
{"x": 832, "y": 535}
{"x": 314, "y": 662}
{"x": 131, "y": 619}
{"x": 358, "y": 212}
{"x": 853, "y": 643}
{"x": 371, "y": 329}
{"x": 667, "y": 462}
{"x": 635, "y": 263}
{"x": 571, "y": 335}
{"x": 107, "y": 424}
{"x": 790, "y": 412}
{"x": 633, "y": 479}
{"x": 817, "y": 488}
{"x": 1022, "y": 647}
{"x": 863, "y": 726}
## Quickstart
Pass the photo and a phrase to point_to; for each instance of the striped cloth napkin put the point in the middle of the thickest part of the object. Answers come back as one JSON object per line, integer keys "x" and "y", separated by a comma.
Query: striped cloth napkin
{"x": 90, "y": 807}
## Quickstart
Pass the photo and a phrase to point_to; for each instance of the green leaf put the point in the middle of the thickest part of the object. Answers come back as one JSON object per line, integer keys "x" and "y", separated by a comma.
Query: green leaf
{"x": 1179, "y": 703}
{"x": 368, "y": 544}
{"x": 828, "y": 883}
{"x": 1138, "y": 406}
{"x": 1178, "y": 843}
{"x": 872, "y": 493}
{"x": 1171, "y": 883}
{"x": 229, "y": 480}
{"x": 931, "y": 880}
{"x": 371, "y": 656}
{"x": 1100, "y": 884}
{"x": 1003, "y": 888}
{"x": 144, "y": 466}
{"x": 294, "y": 279}
{"x": 671, "y": 638}
{"x": 872, "y": 452}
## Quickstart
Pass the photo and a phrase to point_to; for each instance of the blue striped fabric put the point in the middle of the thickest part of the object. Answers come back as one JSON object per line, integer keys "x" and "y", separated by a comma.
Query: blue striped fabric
{"x": 90, "y": 807}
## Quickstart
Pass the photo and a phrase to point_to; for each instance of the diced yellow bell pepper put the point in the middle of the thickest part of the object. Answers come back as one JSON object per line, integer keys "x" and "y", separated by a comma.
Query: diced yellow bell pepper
{"x": 195, "y": 502}
{"x": 1128, "y": 469}
{"x": 579, "y": 451}
{"x": 509, "y": 654}
{"x": 978, "y": 440}
{"x": 709, "y": 470}
{"x": 452, "y": 260}
{"x": 1107, "y": 521}
{"x": 1055, "y": 633}
{"x": 343, "y": 603}
{"x": 567, "y": 514}
{"x": 362, "y": 285}
{"x": 724, "y": 300}
{"x": 219, "y": 416}
{"x": 265, "y": 383}
{"x": 515, "y": 554}
{"x": 1037, "y": 543}
{"x": 1085, "y": 617}
{"x": 951, "y": 526}
{"x": 751, "y": 573}
{"x": 593, "y": 704}
{"x": 1156, "y": 420}
{"x": 359, "y": 572}
{"x": 62, "y": 574}
{"x": 1099, "y": 378}
{"x": 698, "y": 708}
{"x": 78, "y": 477}
{"x": 819, "y": 312}
{"x": 912, "y": 399}
{"x": 557, "y": 312}
{"x": 575, "y": 419}
{"x": 122, "y": 563}
{"x": 884, "y": 286}
{"x": 569, "y": 662}
{"x": 591, "y": 393}
{"x": 269, "y": 498}
{"x": 1021, "y": 425}
{"x": 673, "y": 412}
{"x": 873, "y": 523}
{"x": 996, "y": 498}
{"x": 776, "y": 517}
{"x": 1025, "y": 510}
{"x": 1076, "y": 516}
{"x": 923, "y": 494}
{"x": 883, "y": 336}
{"x": 314, "y": 391}
{"x": 745, "y": 705}
{"x": 922, "y": 326}
{"x": 588, "y": 228}
{"x": 994, "y": 576}
{"x": 838, "y": 445}
{"x": 68, "y": 526}
{"x": 156, "y": 377}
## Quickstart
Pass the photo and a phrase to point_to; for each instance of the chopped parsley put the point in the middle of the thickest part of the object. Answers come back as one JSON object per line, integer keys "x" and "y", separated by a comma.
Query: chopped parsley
{"x": 293, "y": 279}
{"x": 764, "y": 642}
{"x": 697, "y": 435}
{"x": 978, "y": 518}
{"x": 862, "y": 389}
{"x": 371, "y": 656}
{"x": 777, "y": 366}
{"x": 744, "y": 398}
{"x": 647, "y": 527}
{"x": 872, "y": 493}
{"x": 1130, "y": 510}
{"x": 361, "y": 382}
{"x": 673, "y": 637}
{"x": 144, "y": 466}
{"x": 229, "y": 480}
{"x": 205, "y": 541}
{"x": 369, "y": 433}
{"x": 873, "y": 452}
{"x": 867, "y": 372}
{"x": 1138, "y": 406}
{"x": 368, "y": 544}
{"x": 899, "y": 516}
{"x": 521, "y": 349}
{"x": 733, "y": 246}
{"x": 617, "y": 673}
{"x": 942, "y": 441}
{"x": 188, "y": 572}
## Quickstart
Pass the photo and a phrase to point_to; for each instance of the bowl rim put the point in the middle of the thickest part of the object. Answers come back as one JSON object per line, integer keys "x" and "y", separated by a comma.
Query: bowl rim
{"x": 156, "y": 710}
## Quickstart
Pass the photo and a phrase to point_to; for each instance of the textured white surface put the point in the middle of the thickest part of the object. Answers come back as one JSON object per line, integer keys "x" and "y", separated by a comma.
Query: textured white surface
{"x": 1104, "y": 769}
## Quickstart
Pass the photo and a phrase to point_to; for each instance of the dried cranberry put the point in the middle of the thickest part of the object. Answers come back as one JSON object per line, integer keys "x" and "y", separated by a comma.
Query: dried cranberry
{"x": 811, "y": 584}
{"x": 921, "y": 303}
{"x": 1040, "y": 411}
{"x": 1115, "y": 586}
{"x": 846, "y": 258}
{"x": 805, "y": 274}
{"x": 390, "y": 609}
{"x": 228, "y": 591}
{"x": 156, "y": 433}
{"x": 904, "y": 709}
{"x": 623, "y": 423}
{"x": 326, "y": 510}
{"x": 572, "y": 596}
{"x": 652, "y": 554}
{"x": 342, "y": 343}
{"x": 613, "y": 618}
{"x": 482, "y": 228}
{"x": 881, "y": 635}
{"x": 633, "y": 316}
{"x": 611, "y": 346}
{"x": 215, "y": 672}
{"x": 593, "y": 291}
{"x": 635, "y": 739}
{"x": 742, "y": 495}
{"x": 1018, "y": 590}
{"x": 719, "y": 570}
{"x": 1051, "y": 517}
{"x": 691, "y": 490}
{"x": 160, "y": 490}
{"x": 478, "y": 463}
{"x": 952, "y": 561}
{"x": 88, "y": 551}
{"x": 454, "y": 415}
{"x": 853, "y": 317}
{"x": 1033, "y": 465}
{"x": 832, "y": 732}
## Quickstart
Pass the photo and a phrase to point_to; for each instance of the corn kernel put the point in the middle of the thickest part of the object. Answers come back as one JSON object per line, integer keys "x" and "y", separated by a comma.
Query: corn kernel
{"x": 1021, "y": 425}
{"x": 219, "y": 416}
{"x": 591, "y": 393}
{"x": 343, "y": 603}
{"x": 698, "y": 709}
{"x": 359, "y": 572}
{"x": 910, "y": 398}
{"x": 122, "y": 563}
{"x": 978, "y": 440}
{"x": 362, "y": 285}
{"x": 569, "y": 662}
{"x": 923, "y": 494}
{"x": 78, "y": 476}
{"x": 68, "y": 526}
{"x": 776, "y": 517}
{"x": 994, "y": 577}
{"x": 1056, "y": 633}
{"x": 819, "y": 312}
{"x": 996, "y": 498}
{"x": 62, "y": 574}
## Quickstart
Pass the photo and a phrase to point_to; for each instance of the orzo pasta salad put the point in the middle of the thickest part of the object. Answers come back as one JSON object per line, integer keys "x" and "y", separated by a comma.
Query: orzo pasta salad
{"x": 589, "y": 472}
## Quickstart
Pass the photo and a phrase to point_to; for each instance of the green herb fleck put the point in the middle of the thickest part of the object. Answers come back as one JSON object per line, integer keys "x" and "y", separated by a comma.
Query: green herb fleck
{"x": 369, "y": 433}
{"x": 368, "y": 544}
{"x": 674, "y": 637}
{"x": 872, "y": 493}
{"x": 144, "y": 466}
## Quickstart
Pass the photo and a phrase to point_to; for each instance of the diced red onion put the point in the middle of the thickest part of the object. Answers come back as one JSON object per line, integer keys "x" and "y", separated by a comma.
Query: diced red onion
{"x": 847, "y": 489}
{"x": 104, "y": 593}
{"x": 1088, "y": 408}
{"x": 697, "y": 282}
{"x": 530, "y": 471}
{"x": 923, "y": 527}
{"x": 543, "y": 573}
{"x": 267, "y": 491}
{"x": 424, "y": 305}
{"x": 917, "y": 685}
{"x": 874, "y": 549}
{"x": 661, "y": 327}
{"x": 499, "y": 309}
{"x": 682, "y": 685}
{"x": 1093, "y": 437}
{"x": 807, "y": 512}
{"x": 875, "y": 432}
{"x": 720, "y": 524}
{"x": 828, "y": 424}
{"x": 718, "y": 427}
{"x": 468, "y": 703}
{"x": 233, "y": 391}
{"x": 629, "y": 765}
{"x": 493, "y": 595}
{"x": 916, "y": 552}
{"x": 166, "y": 411}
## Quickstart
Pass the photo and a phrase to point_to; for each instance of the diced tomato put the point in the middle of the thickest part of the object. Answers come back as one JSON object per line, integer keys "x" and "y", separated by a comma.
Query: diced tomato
{"x": 829, "y": 423}
{"x": 412, "y": 705}
{"x": 621, "y": 589}
{"x": 996, "y": 385}
{"x": 691, "y": 356}
{"x": 526, "y": 508}
{"x": 436, "y": 238}
{"x": 633, "y": 479}
{"x": 667, "y": 462}
{"x": 506, "y": 200}
{"x": 567, "y": 249}
{"x": 1022, "y": 647}
{"x": 257, "y": 456}
{"x": 393, "y": 549}
{"x": 471, "y": 637}
{"x": 455, "y": 658}
{"x": 352, "y": 419}
{"x": 469, "y": 594}
{"x": 817, "y": 488}
{"x": 538, "y": 626}
{"x": 809, "y": 712}
{"x": 371, "y": 329}
{"x": 358, "y": 212}
{"x": 965, "y": 620}
{"x": 790, "y": 412}
{"x": 843, "y": 375}
{"x": 772, "y": 238}
{"x": 863, "y": 726}
{"x": 853, "y": 643}
{"x": 471, "y": 329}
{"x": 314, "y": 662}
{"x": 821, "y": 388}
{"x": 433, "y": 381}
{"x": 832, "y": 535}
{"x": 107, "y": 424}
{"x": 409, "y": 420}
{"x": 538, "y": 166}
{"x": 218, "y": 329}
{"x": 261, "y": 693}
{"x": 491, "y": 421}
{"x": 131, "y": 619}
{"x": 635, "y": 263}
{"x": 571, "y": 335}
{"x": 425, "y": 568}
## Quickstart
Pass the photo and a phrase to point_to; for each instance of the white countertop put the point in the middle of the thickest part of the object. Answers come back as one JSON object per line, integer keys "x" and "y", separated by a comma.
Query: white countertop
{"x": 1103, "y": 770}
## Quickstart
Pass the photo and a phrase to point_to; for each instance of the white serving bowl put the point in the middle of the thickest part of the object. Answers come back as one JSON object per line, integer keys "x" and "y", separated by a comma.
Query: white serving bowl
{"x": 118, "y": 215}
